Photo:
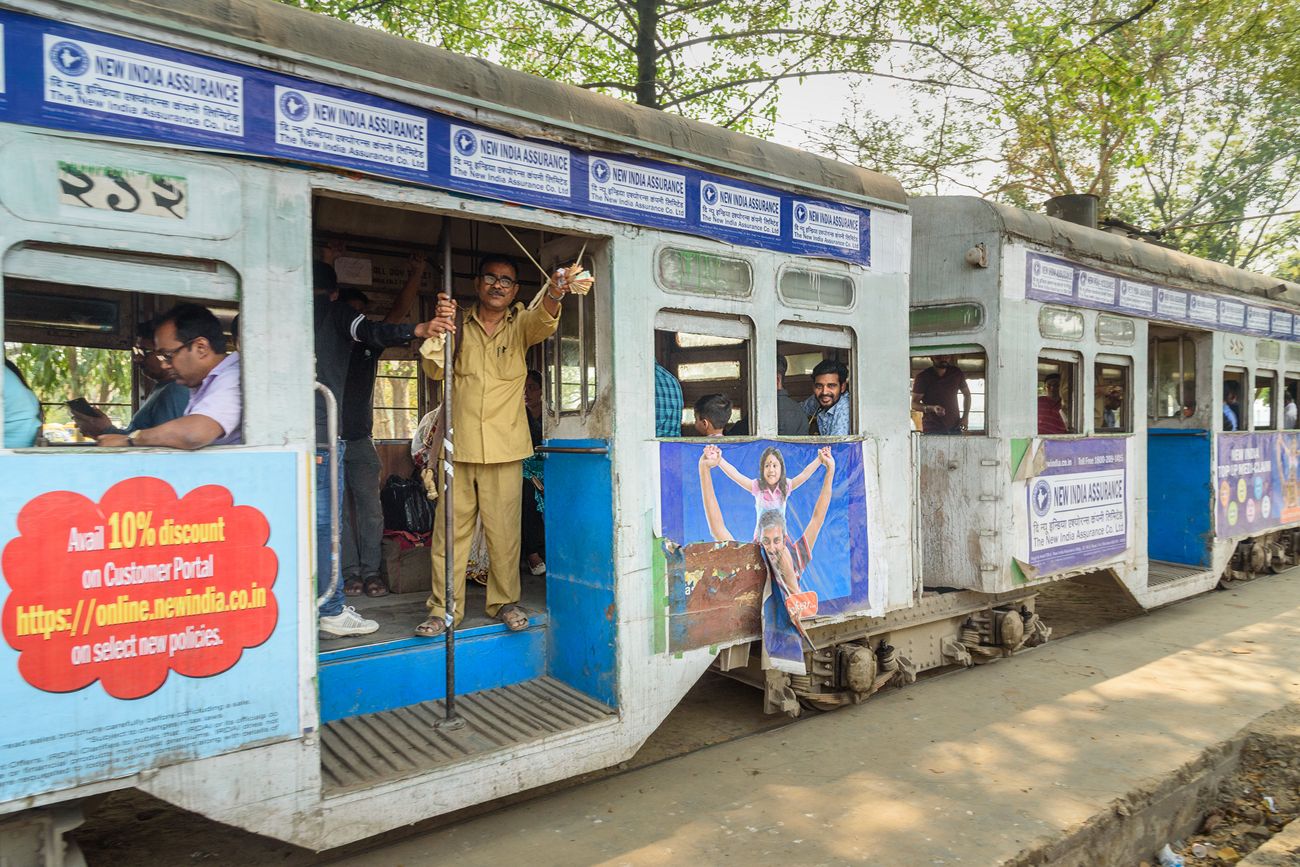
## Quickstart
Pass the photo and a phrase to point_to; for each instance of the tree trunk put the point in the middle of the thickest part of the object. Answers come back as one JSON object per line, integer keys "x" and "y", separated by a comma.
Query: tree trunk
{"x": 647, "y": 65}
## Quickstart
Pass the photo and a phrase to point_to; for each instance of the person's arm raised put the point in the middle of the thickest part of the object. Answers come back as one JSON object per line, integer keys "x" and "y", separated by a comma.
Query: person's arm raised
{"x": 805, "y": 474}
{"x": 814, "y": 527}
{"x": 734, "y": 474}
{"x": 712, "y": 512}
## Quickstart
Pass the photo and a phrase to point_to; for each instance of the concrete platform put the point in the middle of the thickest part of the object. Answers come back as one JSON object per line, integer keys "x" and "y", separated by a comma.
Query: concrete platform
{"x": 970, "y": 768}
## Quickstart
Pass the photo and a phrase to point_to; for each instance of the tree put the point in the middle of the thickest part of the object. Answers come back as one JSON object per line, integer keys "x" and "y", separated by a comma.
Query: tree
{"x": 58, "y": 373}
{"x": 718, "y": 60}
{"x": 1178, "y": 115}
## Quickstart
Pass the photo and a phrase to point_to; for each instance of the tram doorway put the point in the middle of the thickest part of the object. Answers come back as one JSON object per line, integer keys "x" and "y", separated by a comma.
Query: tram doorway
{"x": 389, "y": 263}
{"x": 1179, "y": 460}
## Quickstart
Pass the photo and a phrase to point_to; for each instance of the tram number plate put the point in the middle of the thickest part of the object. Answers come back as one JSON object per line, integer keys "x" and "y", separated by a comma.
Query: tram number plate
{"x": 104, "y": 188}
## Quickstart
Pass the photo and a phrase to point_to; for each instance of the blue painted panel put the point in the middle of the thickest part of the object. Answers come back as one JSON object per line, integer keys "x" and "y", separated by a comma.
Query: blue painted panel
{"x": 580, "y": 571}
{"x": 1179, "y": 496}
{"x": 367, "y": 680}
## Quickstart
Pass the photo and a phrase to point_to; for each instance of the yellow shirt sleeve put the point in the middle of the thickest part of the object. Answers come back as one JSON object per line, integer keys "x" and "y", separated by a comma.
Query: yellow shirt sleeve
{"x": 431, "y": 352}
{"x": 535, "y": 324}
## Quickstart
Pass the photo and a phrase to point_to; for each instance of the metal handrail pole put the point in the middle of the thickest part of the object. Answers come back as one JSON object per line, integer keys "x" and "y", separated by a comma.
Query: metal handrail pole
{"x": 332, "y": 431}
{"x": 450, "y": 720}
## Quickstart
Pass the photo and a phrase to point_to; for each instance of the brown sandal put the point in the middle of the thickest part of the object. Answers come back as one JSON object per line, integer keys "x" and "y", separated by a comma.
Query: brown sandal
{"x": 352, "y": 587}
{"x": 514, "y": 617}
{"x": 432, "y": 627}
{"x": 375, "y": 587}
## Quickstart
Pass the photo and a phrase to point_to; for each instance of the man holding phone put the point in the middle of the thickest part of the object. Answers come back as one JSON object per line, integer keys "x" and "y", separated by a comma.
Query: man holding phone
{"x": 166, "y": 402}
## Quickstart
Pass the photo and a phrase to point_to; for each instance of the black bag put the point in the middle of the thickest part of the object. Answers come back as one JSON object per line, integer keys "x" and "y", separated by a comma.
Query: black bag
{"x": 406, "y": 508}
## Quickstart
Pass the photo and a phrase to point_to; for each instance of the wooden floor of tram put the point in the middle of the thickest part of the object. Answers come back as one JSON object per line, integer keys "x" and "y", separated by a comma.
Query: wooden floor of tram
{"x": 398, "y": 613}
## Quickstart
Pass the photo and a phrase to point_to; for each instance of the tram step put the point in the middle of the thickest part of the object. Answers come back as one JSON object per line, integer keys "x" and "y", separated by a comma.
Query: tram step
{"x": 1162, "y": 572}
{"x": 362, "y": 751}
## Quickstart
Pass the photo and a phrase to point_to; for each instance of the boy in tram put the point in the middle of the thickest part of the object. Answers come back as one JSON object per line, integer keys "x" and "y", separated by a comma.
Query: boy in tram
{"x": 712, "y": 415}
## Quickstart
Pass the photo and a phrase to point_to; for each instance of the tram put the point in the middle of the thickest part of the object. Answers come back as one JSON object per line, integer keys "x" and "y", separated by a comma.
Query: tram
{"x": 210, "y": 153}
{"x": 1142, "y": 474}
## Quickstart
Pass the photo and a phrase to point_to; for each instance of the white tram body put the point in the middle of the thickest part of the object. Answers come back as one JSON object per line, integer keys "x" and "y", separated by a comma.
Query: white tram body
{"x": 321, "y": 744}
{"x": 1018, "y": 297}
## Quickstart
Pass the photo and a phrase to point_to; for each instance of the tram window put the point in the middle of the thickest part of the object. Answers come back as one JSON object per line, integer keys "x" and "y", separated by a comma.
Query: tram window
{"x": 802, "y": 356}
{"x": 694, "y": 271}
{"x": 1262, "y": 416}
{"x": 1112, "y": 396}
{"x": 1173, "y": 376}
{"x": 708, "y": 355}
{"x": 396, "y": 403}
{"x": 1058, "y": 402}
{"x": 83, "y": 343}
{"x": 945, "y": 318}
{"x": 973, "y": 367}
{"x": 818, "y": 288}
{"x": 1234, "y": 418}
{"x": 1116, "y": 330}
{"x": 1057, "y": 323}
{"x": 1289, "y": 395}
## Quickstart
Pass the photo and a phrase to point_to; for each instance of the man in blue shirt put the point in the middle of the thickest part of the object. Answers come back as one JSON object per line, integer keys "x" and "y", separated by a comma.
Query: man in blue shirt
{"x": 828, "y": 406}
{"x": 668, "y": 403}
{"x": 22, "y": 410}
{"x": 1231, "y": 395}
{"x": 167, "y": 401}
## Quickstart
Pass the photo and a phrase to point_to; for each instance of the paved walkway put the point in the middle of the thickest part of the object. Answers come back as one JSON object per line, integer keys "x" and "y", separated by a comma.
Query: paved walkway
{"x": 968, "y": 768}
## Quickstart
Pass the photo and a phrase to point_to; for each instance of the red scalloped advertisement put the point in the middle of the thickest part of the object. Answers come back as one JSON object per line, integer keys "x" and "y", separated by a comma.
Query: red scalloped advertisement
{"x": 140, "y": 584}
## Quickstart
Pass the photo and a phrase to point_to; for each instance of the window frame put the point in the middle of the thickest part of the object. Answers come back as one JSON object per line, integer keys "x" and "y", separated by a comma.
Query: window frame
{"x": 964, "y": 349}
{"x": 1076, "y": 361}
{"x": 1125, "y": 362}
{"x": 822, "y": 269}
{"x": 676, "y": 321}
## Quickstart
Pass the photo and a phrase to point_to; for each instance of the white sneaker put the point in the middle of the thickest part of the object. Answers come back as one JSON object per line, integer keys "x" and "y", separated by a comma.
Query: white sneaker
{"x": 346, "y": 622}
{"x": 539, "y": 568}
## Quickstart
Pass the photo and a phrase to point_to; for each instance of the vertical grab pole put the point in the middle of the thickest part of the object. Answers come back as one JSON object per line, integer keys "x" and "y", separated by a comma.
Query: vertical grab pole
{"x": 336, "y": 511}
{"x": 450, "y": 720}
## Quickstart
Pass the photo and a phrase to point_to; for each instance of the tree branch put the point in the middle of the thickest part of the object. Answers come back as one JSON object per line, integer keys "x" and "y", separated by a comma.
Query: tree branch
{"x": 567, "y": 10}
{"x": 763, "y": 79}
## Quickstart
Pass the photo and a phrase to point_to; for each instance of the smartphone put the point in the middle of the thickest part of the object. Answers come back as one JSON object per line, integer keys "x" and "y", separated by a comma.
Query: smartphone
{"x": 82, "y": 406}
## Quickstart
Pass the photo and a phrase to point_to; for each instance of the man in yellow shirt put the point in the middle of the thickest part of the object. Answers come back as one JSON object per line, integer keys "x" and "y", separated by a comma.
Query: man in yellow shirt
{"x": 489, "y": 433}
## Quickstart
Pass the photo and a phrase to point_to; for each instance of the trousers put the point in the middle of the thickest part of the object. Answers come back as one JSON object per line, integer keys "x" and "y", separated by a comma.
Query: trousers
{"x": 324, "y": 562}
{"x": 489, "y": 492}
{"x": 363, "y": 524}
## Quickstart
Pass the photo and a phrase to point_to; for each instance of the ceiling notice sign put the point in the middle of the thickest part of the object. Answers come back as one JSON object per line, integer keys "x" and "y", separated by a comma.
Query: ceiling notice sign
{"x": 829, "y": 227}
{"x": 326, "y": 124}
{"x": 488, "y": 158}
{"x": 636, "y": 187}
{"x": 84, "y": 76}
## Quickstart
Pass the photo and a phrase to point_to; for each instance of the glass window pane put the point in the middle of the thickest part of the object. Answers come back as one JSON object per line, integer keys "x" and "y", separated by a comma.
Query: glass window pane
{"x": 1116, "y": 330}
{"x": 1262, "y": 407}
{"x": 395, "y": 404}
{"x": 705, "y": 273}
{"x": 1173, "y": 377}
{"x": 702, "y": 371}
{"x": 816, "y": 287}
{"x": 1112, "y": 393}
{"x": 57, "y": 374}
{"x": 1268, "y": 350}
{"x": 692, "y": 341}
{"x": 945, "y": 318}
{"x": 1060, "y": 324}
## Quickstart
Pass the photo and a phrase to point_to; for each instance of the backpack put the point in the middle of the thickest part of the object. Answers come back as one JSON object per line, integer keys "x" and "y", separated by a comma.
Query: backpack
{"x": 406, "y": 508}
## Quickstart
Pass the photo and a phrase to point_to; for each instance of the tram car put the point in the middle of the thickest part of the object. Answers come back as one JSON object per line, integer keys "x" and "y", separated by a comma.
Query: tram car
{"x": 1129, "y": 405}
{"x": 160, "y": 606}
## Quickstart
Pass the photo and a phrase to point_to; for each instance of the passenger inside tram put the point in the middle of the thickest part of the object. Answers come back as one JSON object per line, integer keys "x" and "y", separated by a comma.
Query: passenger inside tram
{"x": 791, "y": 420}
{"x": 712, "y": 415}
{"x": 935, "y": 393}
{"x": 167, "y": 396}
{"x": 1231, "y": 402}
{"x": 22, "y": 411}
{"x": 828, "y": 407}
{"x": 191, "y": 343}
{"x": 1289, "y": 414}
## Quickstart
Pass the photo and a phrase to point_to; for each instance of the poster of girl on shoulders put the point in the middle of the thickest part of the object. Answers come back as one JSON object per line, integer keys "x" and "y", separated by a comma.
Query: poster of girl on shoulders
{"x": 762, "y": 536}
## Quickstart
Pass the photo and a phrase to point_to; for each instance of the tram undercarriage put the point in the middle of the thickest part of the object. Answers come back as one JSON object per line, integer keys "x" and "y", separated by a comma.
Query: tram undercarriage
{"x": 855, "y": 658}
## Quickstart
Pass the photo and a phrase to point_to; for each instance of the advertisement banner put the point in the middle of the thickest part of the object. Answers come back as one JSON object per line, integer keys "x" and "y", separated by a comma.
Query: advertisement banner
{"x": 75, "y": 78}
{"x": 148, "y": 607}
{"x": 1054, "y": 280}
{"x": 1255, "y": 482}
{"x": 761, "y": 535}
{"x": 1077, "y": 502}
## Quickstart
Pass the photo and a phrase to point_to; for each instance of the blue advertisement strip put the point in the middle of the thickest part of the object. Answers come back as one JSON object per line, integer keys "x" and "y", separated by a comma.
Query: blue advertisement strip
{"x": 149, "y": 612}
{"x": 1057, "y": 281}
{"x": 1256, "y": 482}
{"x": 773, "y": 527}
{"x": 71, "y": 78}
{"x": 1078, "y": 503}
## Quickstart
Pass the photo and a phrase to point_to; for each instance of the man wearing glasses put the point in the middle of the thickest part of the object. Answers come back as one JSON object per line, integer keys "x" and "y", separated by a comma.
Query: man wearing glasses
{"x": 166, "y": 402}
{"x": 190, "y": 343}
{"x": 491, "y": 433}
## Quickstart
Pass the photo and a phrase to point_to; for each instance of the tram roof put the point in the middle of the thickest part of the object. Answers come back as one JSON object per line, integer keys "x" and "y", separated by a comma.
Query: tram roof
{"x": 521, "y": 103}
{"x": 1072, "y": 239}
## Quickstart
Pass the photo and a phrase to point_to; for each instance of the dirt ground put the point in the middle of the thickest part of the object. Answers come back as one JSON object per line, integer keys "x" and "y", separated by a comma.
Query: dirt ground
{"x": 131, "y": 828}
